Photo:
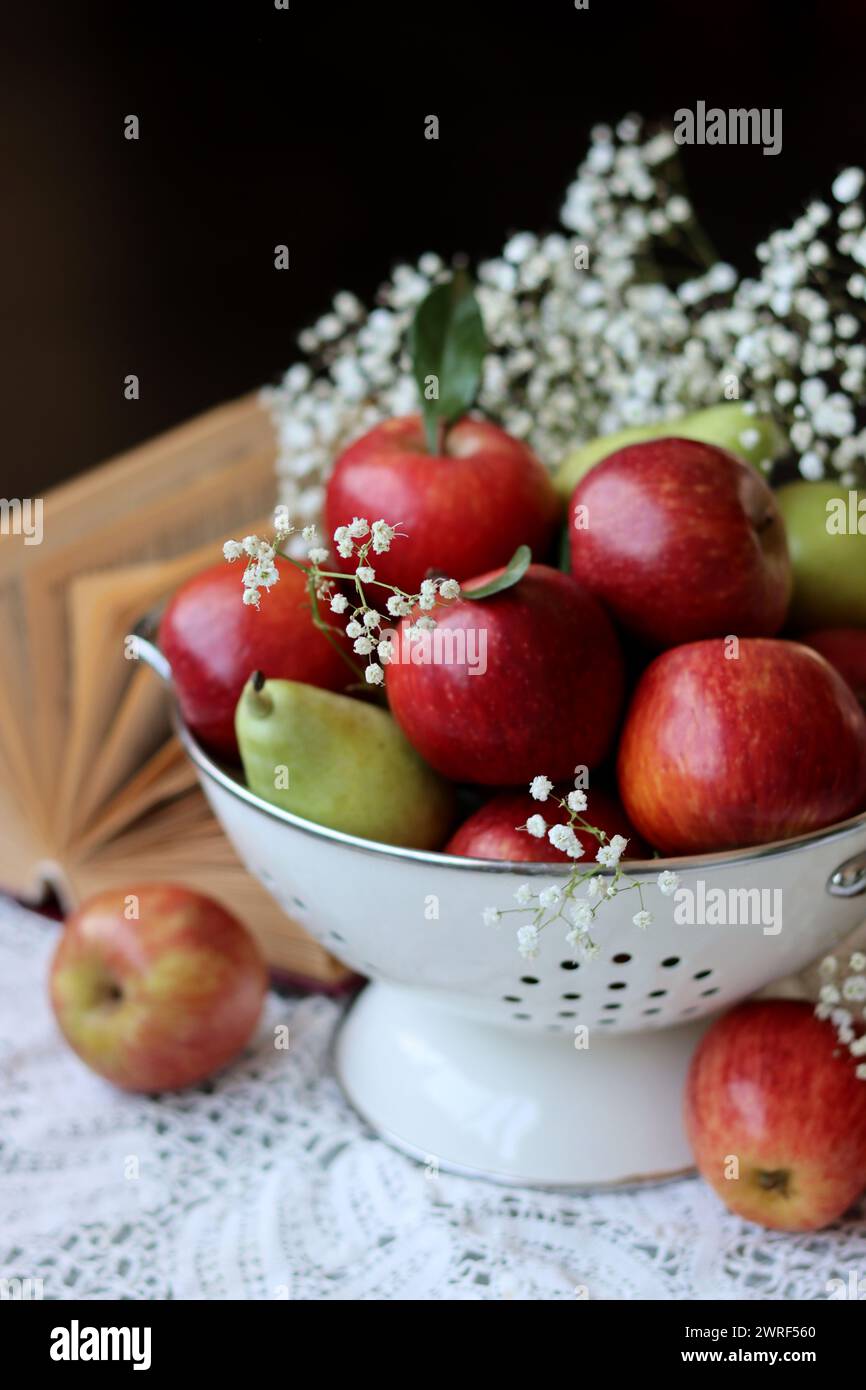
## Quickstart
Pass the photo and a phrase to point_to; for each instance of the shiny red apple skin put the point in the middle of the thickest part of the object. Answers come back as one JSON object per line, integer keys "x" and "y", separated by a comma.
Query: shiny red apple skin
{"x": 682, "y": 541}
{"x": 213, "y": 641}
{"x": 770, "y": 1086}
{"x": 491, "y": 833}
{"x": 461, "y": 512}
{"x": 720, "y": 753}
{"x": 190, "y": 982}
{"x": 549, "y": 699}
{"x": 844, "y": 648}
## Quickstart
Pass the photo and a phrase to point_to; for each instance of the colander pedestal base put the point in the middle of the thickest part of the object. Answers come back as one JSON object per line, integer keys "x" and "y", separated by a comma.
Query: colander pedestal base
{"x": 512, "y": 1105}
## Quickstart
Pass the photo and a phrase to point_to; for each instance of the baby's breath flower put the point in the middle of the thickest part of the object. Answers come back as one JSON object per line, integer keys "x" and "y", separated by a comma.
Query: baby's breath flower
{"x": 383, "y": 535}
{"x": 233, "y": 550}
{"x": 536, "y": 825}
{"x": 642, "y": 919}
{"x": 354, "y": 628}
{"x": 550, "y": 897}
{"x": 449, "y": 589}
{"x": 308, "y": 533}
{"x": 339, "y": 603}
{"x": 857, "y": 963}
{"x": 527, "y": 942}
{"x": 359, "y": 527}
{"x": 344, "y": 543}
{"x": 668, "y": 882}
{"x": 579, "y": 913}
{"x": 366, "y": 574}
{"x": 523, "y": 895}
{"x": 564, "y": 838}
{"x": 373, "y": 673}
{"x": 492, "y": 916}
{"x": 540, "y": 788}
{"x": 576, "y": 800}
{"x": 318, "y": 555}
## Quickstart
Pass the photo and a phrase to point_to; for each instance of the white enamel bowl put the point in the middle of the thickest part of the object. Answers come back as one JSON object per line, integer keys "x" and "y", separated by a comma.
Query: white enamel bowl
{"x": 463, "y": 1054}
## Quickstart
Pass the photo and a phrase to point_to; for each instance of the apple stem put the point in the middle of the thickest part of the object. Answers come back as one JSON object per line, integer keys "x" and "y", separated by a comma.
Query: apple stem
{"x": 774, "y": 1181}
{"x": 441, "y": 427}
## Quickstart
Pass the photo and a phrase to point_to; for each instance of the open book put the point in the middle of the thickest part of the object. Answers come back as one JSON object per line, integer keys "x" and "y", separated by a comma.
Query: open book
{"x": 94, "y": 790}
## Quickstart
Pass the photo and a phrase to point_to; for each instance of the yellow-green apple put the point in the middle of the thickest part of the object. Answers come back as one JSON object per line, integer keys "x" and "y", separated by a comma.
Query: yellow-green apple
{"x": 462, "y": 510}
{"x": 492, "y": 832}
{"x": 735, "y": 743}
{"x": 844, "y": 648}
{"x": 213, "y": 641}
{"x": 826, "y": 528}
{"x": 681, "y": 540}
{"x": 776, "y": 1116}
{"x": 754, "y": 437}
{"x": 156, "y": 987}
{"x": 525, "y": 682}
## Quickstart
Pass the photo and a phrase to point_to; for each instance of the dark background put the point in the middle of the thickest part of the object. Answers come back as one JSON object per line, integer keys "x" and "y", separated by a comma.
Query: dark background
{"x": 306, "y": 127}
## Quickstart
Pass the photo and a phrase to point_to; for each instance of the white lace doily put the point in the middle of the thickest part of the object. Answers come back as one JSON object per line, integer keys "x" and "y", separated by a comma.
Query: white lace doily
{"x": 266, "y": 1185}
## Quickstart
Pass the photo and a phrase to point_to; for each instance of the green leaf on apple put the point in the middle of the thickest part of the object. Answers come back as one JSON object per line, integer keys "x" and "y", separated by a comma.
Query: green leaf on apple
{"x": 447, "y": 343}
{"x": 511, "y": 575}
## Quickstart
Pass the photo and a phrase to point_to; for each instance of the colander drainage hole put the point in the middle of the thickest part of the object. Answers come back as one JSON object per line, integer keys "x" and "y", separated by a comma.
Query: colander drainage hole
{"x": 522, "y": 1015}
{"x": 622, "y": 959}
{"x": 607, "y": 1020}
{"x": 613, "y": 1006}
{"x": 569, "y": 964}
{"x": 570, "y": 996}
{"x": 692, "y": 1009}
{"x": 652, "y": 1011}
{"x": 335, "y": 936}
{"x": 566, "y": 1013}
{"x": 656, "y": 993}
{"x": 701, "y": 974}
{"x": 617, "y": 984}
{"x": 529, "y": 980}
{"x": 670, "y": 961}
{"x": 706, "y": 992}
{"x": 512, "y": 999}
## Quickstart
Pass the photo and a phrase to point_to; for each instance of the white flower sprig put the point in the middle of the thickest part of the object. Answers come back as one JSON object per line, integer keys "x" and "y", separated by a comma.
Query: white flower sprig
{"x": 553, "y": 904}
{"x": 625, "y": 316}
{"x": 364, "y": 625}
{"x": 839, "y": 992}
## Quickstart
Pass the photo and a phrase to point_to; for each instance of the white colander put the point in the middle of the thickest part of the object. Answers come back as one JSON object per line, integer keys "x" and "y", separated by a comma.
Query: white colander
{"x": 464, "y": 1054}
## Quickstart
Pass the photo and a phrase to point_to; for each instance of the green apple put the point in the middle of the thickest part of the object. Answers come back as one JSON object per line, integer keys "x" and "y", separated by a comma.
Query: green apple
{"x": 755, "y": 438}
{"x": 339, "y": 762}
{"x": 826, "y": 526}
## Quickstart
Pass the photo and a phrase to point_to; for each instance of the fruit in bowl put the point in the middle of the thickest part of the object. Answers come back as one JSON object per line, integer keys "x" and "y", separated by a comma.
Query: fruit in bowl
{"x": 681, "y": 540}
{"x": 339, "y": 762}
{"x": 731, "y": 743}
{"x": 463, "y": 509}
{"x": 729, "y": 425}
{"x": 826, "y": 528}
{"x": 776, "y": 1116}
{"x": 213, "y": 642}
{"x": 156, "y": 987}
{"x": 493, "y": 831}
{"x": 844, "y": 648}
{"x": 527, "y": 679}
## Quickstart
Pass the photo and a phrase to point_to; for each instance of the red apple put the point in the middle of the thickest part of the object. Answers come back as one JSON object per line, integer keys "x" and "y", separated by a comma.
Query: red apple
{"x": 776, "y": 1116}
{"x": 844, "y": 648}
{"x": 462, "y": 511}
{"x": 681, "y": 540}
{"x": 213, "y": 641}
{"x": 722, "y": 750}
{"x": 491, "y": 831}
{"x": 526, "y": 682}
{"x": 156, "y": 987}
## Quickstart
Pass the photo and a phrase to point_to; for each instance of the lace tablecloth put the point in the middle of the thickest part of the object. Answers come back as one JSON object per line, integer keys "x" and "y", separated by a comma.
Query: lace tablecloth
{"x": 266, "y": 1185}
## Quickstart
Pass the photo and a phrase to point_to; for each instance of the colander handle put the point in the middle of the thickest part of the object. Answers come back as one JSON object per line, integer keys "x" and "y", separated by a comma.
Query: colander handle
{"x": 144, "y": 634}
{"x": 849, "y": 879}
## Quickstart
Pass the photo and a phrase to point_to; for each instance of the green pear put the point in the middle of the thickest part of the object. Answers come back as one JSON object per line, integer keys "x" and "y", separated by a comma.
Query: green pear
{"x": 723, "y": 425}
{"x": 339, "y": 762}
{"x": 826, "y": 526}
